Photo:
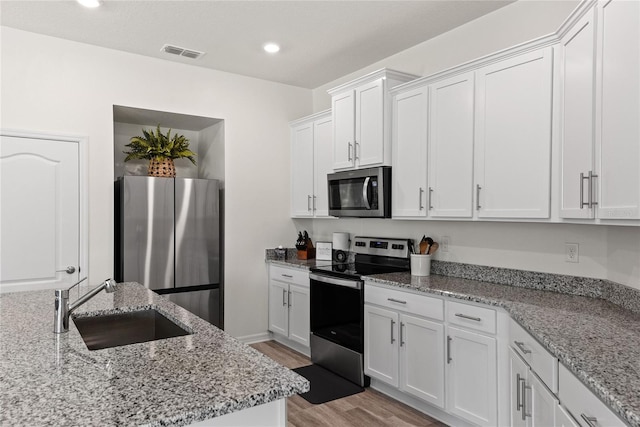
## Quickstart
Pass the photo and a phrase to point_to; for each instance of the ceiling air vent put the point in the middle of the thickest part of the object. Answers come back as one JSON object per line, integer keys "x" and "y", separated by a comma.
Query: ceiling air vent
{"x": 180, "y": 51}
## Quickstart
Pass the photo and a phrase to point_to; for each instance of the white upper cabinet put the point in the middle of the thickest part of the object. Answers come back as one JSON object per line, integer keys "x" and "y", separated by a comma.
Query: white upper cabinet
{"x": 322, "y": 163}
{"x": 361, "y": 116}
{"x": 600, "y": 110}
{"x": 513, "y": 137}
{"x": 451, "y": 112}
{"x": 310, "y": 163}
{"x": 577, "y": 54}
{"x": 409, "y": 175}
{"x": 617, "y": 129}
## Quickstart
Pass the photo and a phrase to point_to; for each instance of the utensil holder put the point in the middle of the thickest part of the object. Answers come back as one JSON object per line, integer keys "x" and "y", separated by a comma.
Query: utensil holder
{"x": 420, "y": 265}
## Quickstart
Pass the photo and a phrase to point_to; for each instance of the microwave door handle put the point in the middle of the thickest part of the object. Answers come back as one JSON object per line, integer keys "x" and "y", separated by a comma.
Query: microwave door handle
{"x": 365, "y": 196}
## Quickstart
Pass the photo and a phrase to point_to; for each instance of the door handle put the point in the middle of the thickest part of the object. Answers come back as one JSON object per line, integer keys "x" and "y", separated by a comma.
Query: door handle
{"x": 355, "y": 150}
{"x": 478, "y": 188}
{"x": 365, "y": 196}
{"x": 69, "y": 270}
{"x": 449, "y": 359}
{"x": 349, "y": 152}
{"x": 392, "y": 338}
{"x": 430, "y": 194}
{"x": 420, "y": 207}
{"x": 284, "y": 301}
{"x": 401, "y": 338}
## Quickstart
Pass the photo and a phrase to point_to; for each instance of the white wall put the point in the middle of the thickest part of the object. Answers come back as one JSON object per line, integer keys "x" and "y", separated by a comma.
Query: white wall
{"x": 513, "y": 24}
{"x": 57, "y": 86}
{"x": 606, "y": 252}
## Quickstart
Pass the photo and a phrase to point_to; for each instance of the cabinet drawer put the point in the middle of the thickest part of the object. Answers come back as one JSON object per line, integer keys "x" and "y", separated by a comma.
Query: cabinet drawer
{"x": 582, "y": 403}
{"x": 471, "y": 317}
{"x": 420, "y": 305}
{"x": 289, "y": 275}
{"x": 541, "y": 361}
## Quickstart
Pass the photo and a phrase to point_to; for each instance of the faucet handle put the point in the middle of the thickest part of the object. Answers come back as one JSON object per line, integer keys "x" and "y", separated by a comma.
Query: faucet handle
{"x": 77, "y": 283}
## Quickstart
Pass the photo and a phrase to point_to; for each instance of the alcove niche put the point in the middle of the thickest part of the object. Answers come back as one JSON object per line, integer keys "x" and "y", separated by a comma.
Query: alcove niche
{"x": 206, "y": 139}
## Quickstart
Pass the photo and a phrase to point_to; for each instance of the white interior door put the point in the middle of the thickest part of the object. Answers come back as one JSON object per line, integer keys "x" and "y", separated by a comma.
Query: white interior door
{"x": 40, "y": 212}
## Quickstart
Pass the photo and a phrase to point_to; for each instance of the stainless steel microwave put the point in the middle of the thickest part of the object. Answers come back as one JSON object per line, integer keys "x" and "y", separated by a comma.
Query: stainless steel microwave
{"x": 364, "y": 193}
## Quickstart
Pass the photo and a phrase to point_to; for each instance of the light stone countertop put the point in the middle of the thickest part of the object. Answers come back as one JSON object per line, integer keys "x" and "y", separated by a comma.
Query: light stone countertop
{"x": 595, "y": 339}
{"x": 50, "y": 379}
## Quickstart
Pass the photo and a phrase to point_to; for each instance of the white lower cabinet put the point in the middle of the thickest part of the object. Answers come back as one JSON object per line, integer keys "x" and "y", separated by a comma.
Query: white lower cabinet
{"x": 564, "y": 419}
{"x": 586, "y": 408}
{"x": 289, "y": 313}
{"x": 405, "y": 350}
{"x": 472, "y": 376}
{"x": 532, "y": 404}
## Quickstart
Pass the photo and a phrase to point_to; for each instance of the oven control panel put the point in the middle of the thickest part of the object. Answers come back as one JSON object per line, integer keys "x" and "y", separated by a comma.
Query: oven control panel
{"x": 382, "y": 246}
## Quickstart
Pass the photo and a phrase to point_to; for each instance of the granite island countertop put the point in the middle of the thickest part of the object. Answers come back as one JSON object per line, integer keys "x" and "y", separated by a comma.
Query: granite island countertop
{"x": 51, "y": 379}
{"x": 595, "y": 339}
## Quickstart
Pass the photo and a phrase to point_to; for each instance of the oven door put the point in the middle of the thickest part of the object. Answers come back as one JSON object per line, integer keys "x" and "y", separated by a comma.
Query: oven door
{"x": 337, "y": 310}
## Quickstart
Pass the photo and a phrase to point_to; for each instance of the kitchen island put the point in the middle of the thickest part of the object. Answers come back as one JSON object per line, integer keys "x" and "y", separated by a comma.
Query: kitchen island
{"x": 53, "y": 379}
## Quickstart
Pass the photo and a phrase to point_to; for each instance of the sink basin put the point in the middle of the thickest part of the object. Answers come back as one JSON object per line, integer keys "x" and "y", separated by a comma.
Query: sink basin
{"x": 114, "y": 330}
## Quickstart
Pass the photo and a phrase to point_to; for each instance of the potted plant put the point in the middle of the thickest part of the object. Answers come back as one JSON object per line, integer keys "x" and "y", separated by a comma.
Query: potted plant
{"x": 160, "y": 150}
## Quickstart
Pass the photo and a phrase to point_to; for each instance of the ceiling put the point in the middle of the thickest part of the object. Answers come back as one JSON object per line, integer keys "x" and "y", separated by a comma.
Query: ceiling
{"x": 320, "y": 40}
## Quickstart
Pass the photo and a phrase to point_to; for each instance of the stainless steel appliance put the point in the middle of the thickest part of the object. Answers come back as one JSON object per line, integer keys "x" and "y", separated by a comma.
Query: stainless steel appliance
{"x": 337, "y": 304}
{"x": 360, "y": 193}
{"x": 167, "y": 237}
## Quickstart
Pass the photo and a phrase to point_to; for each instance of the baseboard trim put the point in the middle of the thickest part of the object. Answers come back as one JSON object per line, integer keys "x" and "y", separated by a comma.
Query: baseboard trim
{"x": 252, "y": 339}
{"x": 424, "y": 407}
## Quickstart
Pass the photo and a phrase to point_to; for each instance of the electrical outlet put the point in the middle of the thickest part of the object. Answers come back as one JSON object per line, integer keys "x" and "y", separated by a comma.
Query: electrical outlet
{"x": 571, "y": 253}
{"x": 444, "y": 247}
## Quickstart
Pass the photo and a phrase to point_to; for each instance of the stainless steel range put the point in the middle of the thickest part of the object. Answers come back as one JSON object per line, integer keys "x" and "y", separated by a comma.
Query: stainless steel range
{"x": 337, "y": 304}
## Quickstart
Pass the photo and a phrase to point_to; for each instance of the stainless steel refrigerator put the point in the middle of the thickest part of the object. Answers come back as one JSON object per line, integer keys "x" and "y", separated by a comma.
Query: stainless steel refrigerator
{"x": 167, "y": 237}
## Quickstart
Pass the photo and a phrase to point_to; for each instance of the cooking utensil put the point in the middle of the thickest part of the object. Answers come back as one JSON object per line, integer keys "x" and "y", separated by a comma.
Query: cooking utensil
{"x": 423, "y": 245}
{"x": 434, "y": 247}
{"x": 429, "y": 243}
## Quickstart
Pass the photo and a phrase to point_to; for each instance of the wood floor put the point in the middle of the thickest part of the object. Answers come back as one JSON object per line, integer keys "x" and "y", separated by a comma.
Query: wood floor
{"x": 367, "y": 409}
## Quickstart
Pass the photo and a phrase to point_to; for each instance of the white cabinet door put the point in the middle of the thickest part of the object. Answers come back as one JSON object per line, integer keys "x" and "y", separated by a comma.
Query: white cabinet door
{"x": 577, "y": 55}
{"x": 541, "y": 404}
{"x": 451, "y": 113}
{"x": 563, "y": 418}
{"x": 278, "y": 307}
{"x": 369, "y": 124}
{"x": 422, "y": 359}
{"x": 299, "y": 314}
{"x": 409, "y": 138}
{"x": 302, "y": 170}
{"x": 322, "y": 157}
{"x": 519, "y": 372}
{"x": 513, "y": 137}
{"x": 472, "y": 377}
{"x": 343, "y": 107}
{"x": 381, "y": 344}
{"x": 618, "y": 109}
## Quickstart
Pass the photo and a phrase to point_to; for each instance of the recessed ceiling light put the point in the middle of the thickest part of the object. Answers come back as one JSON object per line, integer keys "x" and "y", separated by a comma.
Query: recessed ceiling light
{"x": 271, "y": 48}
{"x": 89, "y": 3}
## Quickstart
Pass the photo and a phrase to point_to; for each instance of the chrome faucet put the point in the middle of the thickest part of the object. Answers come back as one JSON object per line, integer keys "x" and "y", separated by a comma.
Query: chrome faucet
{"x": 63, "y": 309}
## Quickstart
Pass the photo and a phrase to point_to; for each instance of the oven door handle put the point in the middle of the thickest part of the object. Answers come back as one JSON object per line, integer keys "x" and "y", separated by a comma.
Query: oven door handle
{"x": 355, "y": 284}
{"x": 365, "y": 193}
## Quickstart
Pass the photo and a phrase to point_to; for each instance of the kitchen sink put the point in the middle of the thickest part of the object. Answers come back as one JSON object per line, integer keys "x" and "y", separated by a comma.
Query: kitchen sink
{"x": 115, "y": 330}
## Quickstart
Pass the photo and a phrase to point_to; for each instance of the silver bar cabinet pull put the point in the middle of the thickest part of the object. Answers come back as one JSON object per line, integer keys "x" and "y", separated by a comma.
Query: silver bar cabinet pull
{"x": 518, "y": 394}
{"x": 355, "y": 150}
{"x": 592, "y": 202}
{"x": 582, "y": 203}
{"x": 478, "y": 188}
{"x": 396, "y": 300}
{"x": 591, "y": 421}
{"x": 314, "y": 203}
{"x": 430, "y": 194}
{"x": 308, "y": 202}
{"x": 401, "y": 338}
{"x": 449, "y": 359}
{"x": 521, "y": 346}
{"x": 349, "y": 152}
{"x": 392, "y": 339}
{"x": 288, "y": 276}
{"x": 289, "y": 298}
{"x": 464, "y": 316}
{"x": 524, "y": 400}
{"x": 420, "y": 207}
{"x": 284, "y": 302}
